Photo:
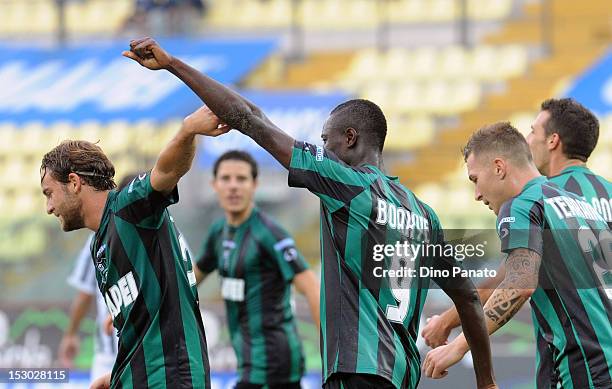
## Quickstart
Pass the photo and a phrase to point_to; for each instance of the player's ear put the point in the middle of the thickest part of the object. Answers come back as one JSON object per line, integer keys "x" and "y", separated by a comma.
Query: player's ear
{"x": 499, "y": 166}
{"x": 74, "y": 182}
{"x": 553, "y": 141}
{"x": 351, "y": 137}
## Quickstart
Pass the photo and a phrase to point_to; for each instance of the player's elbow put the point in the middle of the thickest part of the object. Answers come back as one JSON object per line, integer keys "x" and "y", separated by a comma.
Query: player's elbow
{"x": 465, "y": 297}
{"x": 240, "y": 116}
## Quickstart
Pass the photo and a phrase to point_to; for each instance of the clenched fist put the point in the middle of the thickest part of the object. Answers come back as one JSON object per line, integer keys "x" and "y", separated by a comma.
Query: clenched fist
{"x": 148, "y": 53}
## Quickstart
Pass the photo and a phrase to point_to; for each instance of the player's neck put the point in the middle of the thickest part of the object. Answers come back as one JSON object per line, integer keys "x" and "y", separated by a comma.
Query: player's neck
{"x": 373, "y": 159}
{"x": 557, "y": 165}
{"x": 93, "y": 208}
{"x": 521, "y": 177}
{"x": 235, "y": 219}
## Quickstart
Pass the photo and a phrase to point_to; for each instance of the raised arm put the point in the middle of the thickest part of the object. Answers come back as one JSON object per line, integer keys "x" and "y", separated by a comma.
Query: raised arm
{"x": 438, "y": 327}
{"x": 231, "y": 108}
{"x": 176, "y": 158}
{"x": 522, "y": 268}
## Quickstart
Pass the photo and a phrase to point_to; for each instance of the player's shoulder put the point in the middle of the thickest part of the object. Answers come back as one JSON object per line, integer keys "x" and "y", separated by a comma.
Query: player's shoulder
{"x": 321, "y": 155}
{"x": 139, "y": 186}
{"x": 266, "y": 226}
{"x": 217, "y": 225}
{"x": 523, "y": 204}
{"x": 589, "y": 174}
{"x": 430, "y": 213}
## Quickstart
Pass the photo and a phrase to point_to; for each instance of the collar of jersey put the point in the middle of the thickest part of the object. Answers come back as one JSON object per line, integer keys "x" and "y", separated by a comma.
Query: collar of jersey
{"x": 104, "y": 219}
{"x": 244, "y": 223}
{"x": 380, "y": 171}
{"x": 570, "y": 169}
{"x": 534, "y": 181}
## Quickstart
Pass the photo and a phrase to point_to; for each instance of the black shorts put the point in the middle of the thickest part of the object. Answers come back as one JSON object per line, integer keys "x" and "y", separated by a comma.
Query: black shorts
{"x": 284, "y": 385}
{"x": 357, "y": 381}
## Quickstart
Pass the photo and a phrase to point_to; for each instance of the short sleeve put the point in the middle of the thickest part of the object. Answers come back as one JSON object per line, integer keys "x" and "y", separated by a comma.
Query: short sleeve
{"x": 520, "y": 224}
{"x": 138, "y": 203}
{"x": 320, "y": 171}
{"x": 281, "y": 247}
{"x": 207, "y": 257}
{"x": 83, "y": 275}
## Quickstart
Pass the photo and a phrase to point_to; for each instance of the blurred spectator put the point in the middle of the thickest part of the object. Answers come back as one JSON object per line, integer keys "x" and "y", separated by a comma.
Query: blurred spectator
{"x": 165, "y": 17}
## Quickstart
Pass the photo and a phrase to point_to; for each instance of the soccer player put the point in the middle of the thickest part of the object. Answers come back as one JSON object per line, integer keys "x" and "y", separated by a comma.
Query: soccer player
{"x": 83, "y": 279}
{"x": 142, "y": 269}
{"x": 557, "y": 246}
{"x": 562, "y": 137}
{"x": 368, "y": 330}
{"x": 258, "y": 262}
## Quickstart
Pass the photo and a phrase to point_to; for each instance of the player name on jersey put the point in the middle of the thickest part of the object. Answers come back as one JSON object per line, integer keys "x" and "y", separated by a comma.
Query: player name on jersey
{"x": 566, "y": 208}
{"x": 122, "y": 294}
{"x": 603, "y": 206}
{"x": 399, "y": 218}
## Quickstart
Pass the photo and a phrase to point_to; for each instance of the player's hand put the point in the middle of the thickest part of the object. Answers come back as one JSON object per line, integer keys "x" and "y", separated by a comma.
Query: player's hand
{"x": 436, "y": 332}
{"x": 438, "y": 360}
{"x": 148, "y": 53}
{"x": 102, "y": 382}
{"x": 68, "y": 350}
{"x": 108, "y": 325}
{"x": 204, "y": 122}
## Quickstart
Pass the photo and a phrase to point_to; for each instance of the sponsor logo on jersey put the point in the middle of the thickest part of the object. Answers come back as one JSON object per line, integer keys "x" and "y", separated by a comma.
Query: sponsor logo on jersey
{"x": 121, "y": 295}
{"x": 508, "y": 219}
{"x": 100, "y": 264}
{"x": 287, "y": 248}
{"x": 503, "y": 232}
{"x": 140, "y": 178}
{"x": 319, "y": 156}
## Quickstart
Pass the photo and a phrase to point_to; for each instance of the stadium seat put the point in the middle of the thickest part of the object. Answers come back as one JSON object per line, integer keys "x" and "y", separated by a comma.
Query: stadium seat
{"x": 8, "y": 131}
{"x": 441, "y": 10}
{"x": 365, "y": 66}
{"x": 605, "y": 132}
{"x": 522, "y": 121}
{"x": 115, "y": 137}
{"x": 424, "y": 63}
{"x": 408, "y": 11}
{"x": 380, "y": 93}
{"x": 396, "y": 63}
{"x": 489, "y": 10}
{"x": 407, "y": 134}
{"x": 453, "y": 62}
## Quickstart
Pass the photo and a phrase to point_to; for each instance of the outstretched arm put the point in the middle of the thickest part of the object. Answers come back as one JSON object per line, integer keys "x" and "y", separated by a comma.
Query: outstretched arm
{"x": 176, "y": 158}
{"x": 438, "y": 327}
{"x": 231, "y": 108}
{"x": 522, "y": 268}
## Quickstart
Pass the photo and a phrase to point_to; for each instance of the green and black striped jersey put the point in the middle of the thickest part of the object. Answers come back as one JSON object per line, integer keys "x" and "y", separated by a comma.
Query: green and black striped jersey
{"x": 597, "y": 191}
{"x": 257, "y": 261}
{"x": 367, "y": 326}
{"x": 144, "y": 271}
{"x": 594, "y": 189}
{"x": 571, "y": 305}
